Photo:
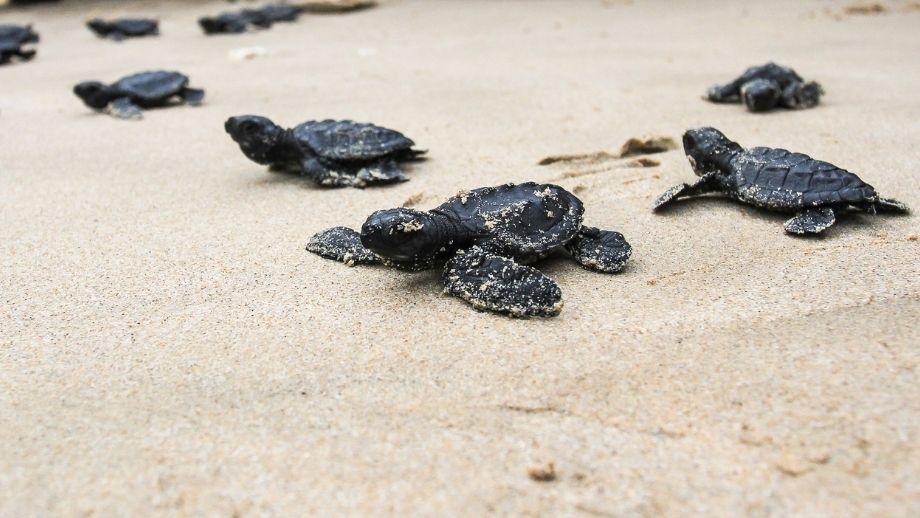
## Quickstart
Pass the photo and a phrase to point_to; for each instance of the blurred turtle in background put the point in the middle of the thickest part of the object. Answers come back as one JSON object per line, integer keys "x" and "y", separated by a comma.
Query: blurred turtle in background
{"x": 246, "y": 19}
{"x": 13, "y": 39}
{"x": 124, "y": 28}
{"x": 766, "y": 87}
{"x": 126, "y": 97}
{"x": 329, "y": 152}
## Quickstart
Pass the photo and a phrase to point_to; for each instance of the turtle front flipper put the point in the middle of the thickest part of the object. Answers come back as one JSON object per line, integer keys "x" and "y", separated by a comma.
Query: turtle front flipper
{"x": 342, "y": 244}
{"x": 192, "y": 96}
{"x": 602, "y": 251}
{"x": 811, "y": 221}
{"x": 760, "y": 95}
{"x": 381, "y": 172}
{"x": 313, "y": 169}
{"x": 891, "y": 205}
{"x": 495, "y": 283}
{"x": 705, "y": 184}
{"x": 26, "y": 55}
{"x": 722, "y": 93}
{"x": 124, "y": 108}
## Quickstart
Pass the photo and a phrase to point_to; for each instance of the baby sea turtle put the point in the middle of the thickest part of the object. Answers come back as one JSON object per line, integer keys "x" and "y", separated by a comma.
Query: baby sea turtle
{"x": 124, "y": 28}
{"x": 331, "y": 153}
{"x": 766, "y": 87}
{"x": 126, "y": 97}
{"x": 12, "y": 40}
{"x": 775, "y": 179}
{"x": 241, "y": 21}
{"x": 482, "y": 237}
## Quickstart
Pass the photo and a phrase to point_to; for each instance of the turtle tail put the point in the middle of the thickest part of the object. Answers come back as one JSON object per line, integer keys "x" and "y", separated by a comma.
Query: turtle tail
{"x": 414, "y": 154}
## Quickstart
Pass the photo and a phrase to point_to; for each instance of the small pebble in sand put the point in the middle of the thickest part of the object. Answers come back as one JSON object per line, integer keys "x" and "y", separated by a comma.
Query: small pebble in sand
{"x": 792, "y": 465}
{"x": 246, "y": 53}
{"x": 545, "y": 473}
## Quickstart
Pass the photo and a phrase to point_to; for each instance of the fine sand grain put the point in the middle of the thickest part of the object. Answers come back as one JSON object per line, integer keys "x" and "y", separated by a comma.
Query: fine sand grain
{"x": 167, "y": 346}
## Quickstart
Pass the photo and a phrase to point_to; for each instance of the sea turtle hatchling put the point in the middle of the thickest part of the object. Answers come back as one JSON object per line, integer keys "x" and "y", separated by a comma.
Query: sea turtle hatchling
{"x": 126, "y": 97}
{"x": 765, "y": 87}
{"x": 775, "y": 179}
{"x": 241, "y": 21}
{"x": 122, "y": 28}
{"x": 329, "y": 152}
{"x": 482, "y": 237}
{"x": 13, "y": 39}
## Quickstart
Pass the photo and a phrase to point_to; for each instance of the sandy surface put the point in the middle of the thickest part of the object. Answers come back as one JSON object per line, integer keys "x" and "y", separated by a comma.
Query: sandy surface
{"x": 169, "y": 347}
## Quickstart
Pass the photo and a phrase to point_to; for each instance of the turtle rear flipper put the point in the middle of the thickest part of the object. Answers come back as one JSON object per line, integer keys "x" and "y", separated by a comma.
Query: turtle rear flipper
{"x": 811, "y": 221}
{"x": 381, "y": 172}
{"x": 326, "y": 175}
{"x": 603, "y": 251}
{"x": 192, "y": 96}
{"x": 705, "y": 184}
{"x": 499, "y": 284}
{"x": 891, "y": 205}
{"x": 342, "y": 244}
{"x": 124, "y": 108}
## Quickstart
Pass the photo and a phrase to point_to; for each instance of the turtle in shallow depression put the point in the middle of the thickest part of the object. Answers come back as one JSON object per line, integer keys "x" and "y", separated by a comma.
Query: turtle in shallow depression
{"x": 12, "y": 40}
{"x": 766, "y": 87}
{"x": 331, "y": 153}
{"x": 482, "y": 237}
{"x": 241, "y": 21}
{"x": 126, "y": 97}
{"x": 775, "y": 179}
{"x": 124, "y": 28}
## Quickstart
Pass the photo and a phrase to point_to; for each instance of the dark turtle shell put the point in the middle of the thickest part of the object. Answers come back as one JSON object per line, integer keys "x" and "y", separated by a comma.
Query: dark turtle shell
{"x": 14, "y": 36}
{"x": 520, "y": 221}
{"x": 135, "y": 26}
{"x": 777, "y": 178}
{"x": 152, "y": 86}
{"x": 772, "y": 72}
{"x": 351, "y": 141}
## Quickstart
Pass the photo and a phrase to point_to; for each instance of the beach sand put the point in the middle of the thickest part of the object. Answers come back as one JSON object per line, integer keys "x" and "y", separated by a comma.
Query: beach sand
{"x": 169, "y": 347}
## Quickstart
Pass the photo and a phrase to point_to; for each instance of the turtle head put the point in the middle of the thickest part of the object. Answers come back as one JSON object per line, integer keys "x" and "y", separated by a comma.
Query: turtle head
{"x": 708, "y": 150}
{"x": 257, "y": 136}
{"x": 95, "y": 94}
{"x": 403, "y": 235}
{"x": 98, "y": 25}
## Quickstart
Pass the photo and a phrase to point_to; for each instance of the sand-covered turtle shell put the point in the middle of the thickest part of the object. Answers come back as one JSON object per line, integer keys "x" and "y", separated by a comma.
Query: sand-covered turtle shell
{"x": 351, "y": 141}
{"x": 517, "y": 220}
{"x": 152, "y": 86}
{"x": 781, "y": 179}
